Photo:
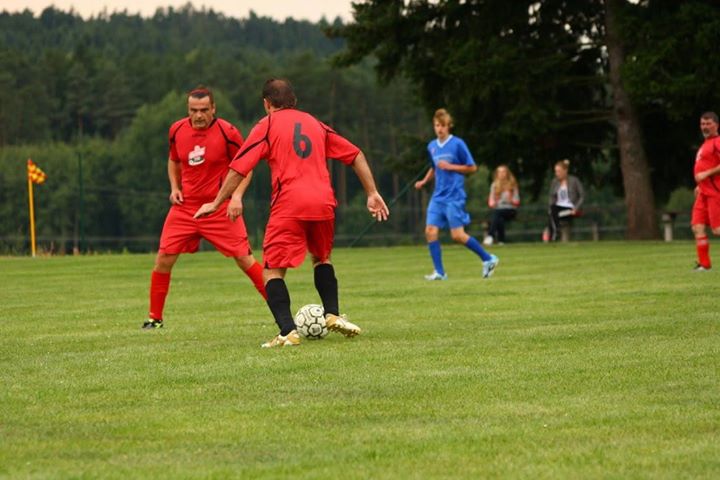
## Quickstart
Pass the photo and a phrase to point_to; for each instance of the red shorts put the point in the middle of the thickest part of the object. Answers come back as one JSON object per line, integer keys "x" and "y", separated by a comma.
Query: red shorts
{"x": 182, "y": 233}
{"x": 287, "y": 240}
{"x": 706, "y": 211}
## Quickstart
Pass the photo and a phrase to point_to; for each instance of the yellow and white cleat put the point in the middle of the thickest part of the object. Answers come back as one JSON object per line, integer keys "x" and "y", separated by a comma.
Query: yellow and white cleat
{"x": 341, "y": 325}
{"x": 292, "y": 339}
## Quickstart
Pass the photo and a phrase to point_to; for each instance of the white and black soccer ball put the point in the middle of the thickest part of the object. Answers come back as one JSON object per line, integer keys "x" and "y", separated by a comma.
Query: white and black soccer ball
{"x": 310, "y": 322}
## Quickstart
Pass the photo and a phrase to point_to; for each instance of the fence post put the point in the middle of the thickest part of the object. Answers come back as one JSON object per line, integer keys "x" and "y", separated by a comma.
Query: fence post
{"x": 668, "y": 219}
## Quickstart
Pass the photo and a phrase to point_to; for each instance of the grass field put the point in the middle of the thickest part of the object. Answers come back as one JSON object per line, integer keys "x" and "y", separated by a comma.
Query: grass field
{"x": 586, "y": 360}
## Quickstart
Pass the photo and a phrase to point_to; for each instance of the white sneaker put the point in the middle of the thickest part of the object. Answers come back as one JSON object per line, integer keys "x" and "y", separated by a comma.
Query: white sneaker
{"x": 488, "y": 240}
{"x": 489, "y": 266}
{"x": 435, "y": 276}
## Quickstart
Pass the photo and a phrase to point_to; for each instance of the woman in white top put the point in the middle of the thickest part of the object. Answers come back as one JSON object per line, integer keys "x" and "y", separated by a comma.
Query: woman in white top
{"x": 504, "y": 199}
{"x": 565, "y": 200}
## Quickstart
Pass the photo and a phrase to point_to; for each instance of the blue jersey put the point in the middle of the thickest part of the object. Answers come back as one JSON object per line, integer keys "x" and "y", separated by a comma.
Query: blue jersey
{"x": 449, "y": 186}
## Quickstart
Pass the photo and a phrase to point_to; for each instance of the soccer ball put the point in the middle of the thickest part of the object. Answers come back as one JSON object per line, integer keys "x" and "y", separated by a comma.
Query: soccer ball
{"x": 310, "y": 322}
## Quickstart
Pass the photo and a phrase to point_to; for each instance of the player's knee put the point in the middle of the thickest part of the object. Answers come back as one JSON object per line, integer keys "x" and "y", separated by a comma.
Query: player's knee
{"x": 164, "y": 262}
{"x": 699, "y": 230}
{"x": 245, "y": 261}
{"x": 431, "y": 234}
{"x": 459, "y": 237}
{"x": 716, "y": 231}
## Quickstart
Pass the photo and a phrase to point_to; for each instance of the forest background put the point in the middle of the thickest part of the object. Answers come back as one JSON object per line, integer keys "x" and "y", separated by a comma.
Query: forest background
{"x": 90, "y": 101}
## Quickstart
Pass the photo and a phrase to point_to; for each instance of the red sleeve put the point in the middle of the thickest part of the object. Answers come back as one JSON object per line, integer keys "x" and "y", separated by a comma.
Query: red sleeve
{"x": 171, "y": 139}
{"x": 339, "y": 148}
{"x": 233, "y": 137}
{"x": 255, "y": 148}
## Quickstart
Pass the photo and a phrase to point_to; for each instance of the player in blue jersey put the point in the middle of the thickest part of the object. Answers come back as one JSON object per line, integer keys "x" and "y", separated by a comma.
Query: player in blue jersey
{"x": 450, "y": 161}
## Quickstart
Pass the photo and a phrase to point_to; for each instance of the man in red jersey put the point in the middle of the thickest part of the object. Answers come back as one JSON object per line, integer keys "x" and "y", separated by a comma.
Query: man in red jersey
{"x": 201, "y": 148}
{"x": 706, "y": 210}
{"x": 302, "y": 213}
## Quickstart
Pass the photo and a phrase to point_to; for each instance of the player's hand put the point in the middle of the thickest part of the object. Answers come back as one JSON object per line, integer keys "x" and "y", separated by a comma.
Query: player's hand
{"x": 205, "y": 209}
{"x": 235, "y": 208}
{"x": 696, "y": 191}
{"x": 376, "y": 206}
{"x": 444, "y": 165}
{"x": 419, "y": 184}
{"x": 701, "y": 176}
{"x": 176, "y": 197}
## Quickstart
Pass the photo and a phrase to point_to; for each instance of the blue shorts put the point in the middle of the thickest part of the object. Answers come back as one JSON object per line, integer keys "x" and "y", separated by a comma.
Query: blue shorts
{"x": 447, "y": 214}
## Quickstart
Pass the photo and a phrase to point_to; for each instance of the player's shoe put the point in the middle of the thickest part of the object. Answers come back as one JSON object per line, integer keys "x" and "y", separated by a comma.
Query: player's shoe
{"x": 700, "y": 268}
{"x": 435, "y": 276}
{"x": 340, "y": 324}
{"x": 292, "y": 339}
{"x": 489, "y": 266}
{"x": 152, "y": 323}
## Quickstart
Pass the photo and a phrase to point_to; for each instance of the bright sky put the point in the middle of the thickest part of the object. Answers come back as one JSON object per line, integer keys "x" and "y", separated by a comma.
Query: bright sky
{"x": 311, "y": 10}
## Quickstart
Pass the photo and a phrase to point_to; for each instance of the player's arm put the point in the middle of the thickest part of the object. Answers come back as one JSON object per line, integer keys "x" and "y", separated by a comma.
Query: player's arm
{"x": 451, "y": 167}
{"x": 235, "y": 207}
{"x": 428, "y": 176}
{"x": 375, "y": 203}
{"x": 174, "y": 175}
{"x": 231, "y": 183}
{"x": 707, "y": 174}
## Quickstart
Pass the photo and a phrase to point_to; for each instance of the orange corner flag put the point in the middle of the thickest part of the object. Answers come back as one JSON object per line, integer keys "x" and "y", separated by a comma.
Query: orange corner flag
{"x": 35, "y": 175}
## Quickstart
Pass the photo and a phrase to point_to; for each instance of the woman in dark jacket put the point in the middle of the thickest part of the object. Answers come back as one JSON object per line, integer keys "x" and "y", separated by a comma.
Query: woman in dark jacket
{"x": 565, "y": 199}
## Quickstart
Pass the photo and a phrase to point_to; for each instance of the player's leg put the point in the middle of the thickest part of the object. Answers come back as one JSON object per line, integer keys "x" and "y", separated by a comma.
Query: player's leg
{"x": 432, "y": 234}
{"x": 159, "y": 288}
{"x": 489, "y": 261}
{"x": 179, "y": 235}
{"x": 284, "y": 247}
{"x": 435, "y": 220}
{"x": 254, "y": 271}
{"x": 320, "y": 236}
{"x": 458, "y": 217}
{"x": 230, "y": 238}
{"x": 700, "y": 218}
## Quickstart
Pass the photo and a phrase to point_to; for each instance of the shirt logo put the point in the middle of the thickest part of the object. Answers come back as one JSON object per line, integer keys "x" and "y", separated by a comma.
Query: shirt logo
{"x": 197, "y": 156}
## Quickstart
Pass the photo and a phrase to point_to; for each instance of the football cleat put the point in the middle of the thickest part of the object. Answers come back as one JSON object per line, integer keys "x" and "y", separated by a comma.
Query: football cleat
{"x": 341, "y": 325}
{"x": 152, "y": 323}
{"x": 701, "y": 268}
{"x": 490, "y": 265}
{"x": 435, "y": 276}
{"x": 292, "y": 339}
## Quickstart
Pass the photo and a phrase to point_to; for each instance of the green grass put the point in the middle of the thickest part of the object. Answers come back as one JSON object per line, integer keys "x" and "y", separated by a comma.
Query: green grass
{"x": 589, "y": 360}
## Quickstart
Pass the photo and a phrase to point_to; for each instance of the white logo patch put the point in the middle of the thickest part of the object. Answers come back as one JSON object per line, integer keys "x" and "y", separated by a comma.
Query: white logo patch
{"x": 197, "y": 156}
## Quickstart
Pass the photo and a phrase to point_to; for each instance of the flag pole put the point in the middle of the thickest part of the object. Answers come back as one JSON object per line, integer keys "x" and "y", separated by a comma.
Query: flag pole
{"x": 32, "y": 216}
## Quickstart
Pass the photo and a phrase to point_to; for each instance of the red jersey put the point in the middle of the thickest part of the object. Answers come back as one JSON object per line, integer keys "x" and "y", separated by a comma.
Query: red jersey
{"x": 708, "y": 156}
{"x": 296, "y": 146}
{"x": 204, "y": 155}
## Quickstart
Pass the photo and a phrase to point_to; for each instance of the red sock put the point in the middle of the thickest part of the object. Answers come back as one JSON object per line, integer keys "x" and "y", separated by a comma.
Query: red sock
{"x": 703, "y": 250}
{"x": 159, "y": 286}
{"x": 255, "y": 274}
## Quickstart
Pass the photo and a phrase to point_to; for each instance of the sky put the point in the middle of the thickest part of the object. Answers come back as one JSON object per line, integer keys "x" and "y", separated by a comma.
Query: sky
{"x": 311, "y": 10}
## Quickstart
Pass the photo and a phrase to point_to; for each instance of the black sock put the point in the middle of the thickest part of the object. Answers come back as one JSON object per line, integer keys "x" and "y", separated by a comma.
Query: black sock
{"x": 278, "y": 299}
{"x": 327, "y": 286}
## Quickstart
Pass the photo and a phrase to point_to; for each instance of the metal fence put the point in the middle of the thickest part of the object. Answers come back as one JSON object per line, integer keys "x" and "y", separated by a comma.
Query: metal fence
{"x": 356, "y": 228}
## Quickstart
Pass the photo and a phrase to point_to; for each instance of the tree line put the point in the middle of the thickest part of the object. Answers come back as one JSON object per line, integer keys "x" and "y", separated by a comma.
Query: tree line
{"x": 615, "y": 86}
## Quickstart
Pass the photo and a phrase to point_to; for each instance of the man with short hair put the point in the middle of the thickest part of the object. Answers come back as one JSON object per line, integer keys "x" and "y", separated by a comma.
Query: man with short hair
{"x": 706, "y": 210}
{"x": 450, "y": 161}
{"x": 302, "y": 213}
{"x": 201, "y": 147}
